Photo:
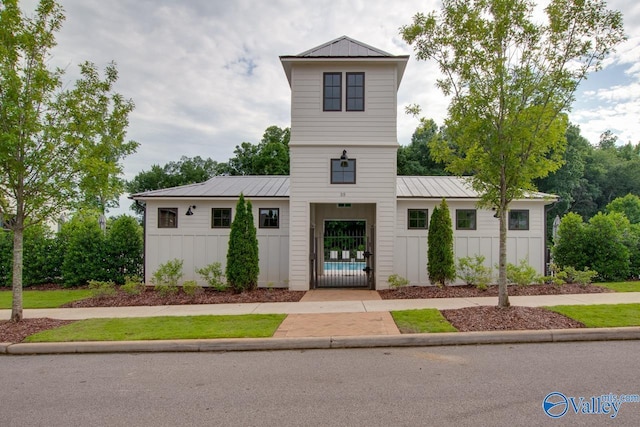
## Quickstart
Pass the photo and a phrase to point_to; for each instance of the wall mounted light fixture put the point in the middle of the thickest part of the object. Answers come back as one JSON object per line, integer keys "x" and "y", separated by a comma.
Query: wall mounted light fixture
{"x": 344, "y": 160}
{"x": 189, "y": 211}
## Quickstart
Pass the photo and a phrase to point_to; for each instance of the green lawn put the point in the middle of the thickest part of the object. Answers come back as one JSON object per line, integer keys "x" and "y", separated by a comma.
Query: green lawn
{"x": 44, "y": 299}
{"x": 164, "y": 328}
{"x": 601, "y": 315}
{"x": 621, "y": 286}
{"x": 421, "y": 321}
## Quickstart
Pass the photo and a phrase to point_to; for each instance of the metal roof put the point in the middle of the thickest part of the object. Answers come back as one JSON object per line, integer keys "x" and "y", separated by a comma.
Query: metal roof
{"x": 226, "y": 186}
{"x": 425, "y": 187}
{"x": 343, "y": 47}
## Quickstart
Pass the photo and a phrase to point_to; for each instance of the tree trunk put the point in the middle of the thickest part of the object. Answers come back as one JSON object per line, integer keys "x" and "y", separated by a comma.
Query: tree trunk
{"x": 16, "y": 307}
{"x": 503, "y": 295}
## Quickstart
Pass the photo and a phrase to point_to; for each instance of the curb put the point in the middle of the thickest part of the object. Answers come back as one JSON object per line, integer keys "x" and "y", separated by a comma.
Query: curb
{"x": 371, "y": 341}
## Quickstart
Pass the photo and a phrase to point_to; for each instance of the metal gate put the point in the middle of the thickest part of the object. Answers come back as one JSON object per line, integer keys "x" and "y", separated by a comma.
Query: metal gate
{"x": 343, "y": 256}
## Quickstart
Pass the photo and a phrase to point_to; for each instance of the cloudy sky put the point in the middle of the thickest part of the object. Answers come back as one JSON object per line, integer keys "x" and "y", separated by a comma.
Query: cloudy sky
{"x": 205, "y": 74}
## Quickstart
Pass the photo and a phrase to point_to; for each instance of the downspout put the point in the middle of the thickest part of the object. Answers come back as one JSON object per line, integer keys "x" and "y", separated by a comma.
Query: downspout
{"x": 144, "y": 239}
{"x": 547, "y": 257}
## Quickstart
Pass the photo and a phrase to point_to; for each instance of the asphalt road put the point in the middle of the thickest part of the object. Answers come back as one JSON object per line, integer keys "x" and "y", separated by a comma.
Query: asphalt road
{"x": 491, "y": 385}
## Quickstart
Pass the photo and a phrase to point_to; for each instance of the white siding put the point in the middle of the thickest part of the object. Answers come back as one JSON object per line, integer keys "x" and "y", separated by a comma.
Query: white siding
{"x": 411, "y": 245}
{"x": 376, "y": 124}
{"x": 198, "y": 244}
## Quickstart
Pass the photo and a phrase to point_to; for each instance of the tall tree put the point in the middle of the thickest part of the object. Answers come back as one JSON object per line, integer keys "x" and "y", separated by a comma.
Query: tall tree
{"x": 56, "y": 144}
{"x": 511, "y": 81}
{"x": 416, "y": 159}
{"x": 187, "y": 170}
{"x": 242, "y": 255}
{"x": 269, "y": 157}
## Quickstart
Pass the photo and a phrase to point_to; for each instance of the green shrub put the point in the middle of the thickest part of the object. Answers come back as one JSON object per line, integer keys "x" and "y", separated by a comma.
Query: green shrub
{"x": 191, "y": 288}
{"x": 580, "y": 277}
{"x": 166, "y": 277}
{"x": 440, "y": 259}
{"x": 522, "y": 274}
{"x": 212, "y": 274}
{"x": 607, "y": 252}
{"x": 124, "y": 246}
{"x": 473, "y": 271}
{"x": 242, "y": 254}
{"x": 396, "y": 281}
{"x": 83, "y": 243}
{"x": 133, "y": 285}
{"x": 102, "y": 289}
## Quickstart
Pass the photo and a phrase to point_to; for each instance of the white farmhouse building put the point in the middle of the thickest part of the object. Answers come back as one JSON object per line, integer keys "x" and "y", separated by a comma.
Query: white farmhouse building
{"x": 343, "y": 218}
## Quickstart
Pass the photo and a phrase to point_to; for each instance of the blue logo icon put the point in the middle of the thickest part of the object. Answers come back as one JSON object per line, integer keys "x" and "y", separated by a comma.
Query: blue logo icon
{"x": 555, "y": 404}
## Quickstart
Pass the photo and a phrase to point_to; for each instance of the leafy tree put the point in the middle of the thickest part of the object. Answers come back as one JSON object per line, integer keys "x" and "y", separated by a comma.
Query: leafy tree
{"x": 242, "y": 254}
{"x": 511, "y": 81}
{"x": 187, "y": 170}
{"x": 57, "y": 145}
{"x": 628, "y": 205}
{"x": 440, "y": 260}
{"x": 607, "y": 251}
{"x": 124, "y": 246}
{"x": 269, "y": 157}
{"x": 415, "y": 159}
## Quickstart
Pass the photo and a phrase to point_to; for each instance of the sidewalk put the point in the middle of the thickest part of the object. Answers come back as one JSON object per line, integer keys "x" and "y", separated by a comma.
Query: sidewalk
{"x": 359, "y": 319}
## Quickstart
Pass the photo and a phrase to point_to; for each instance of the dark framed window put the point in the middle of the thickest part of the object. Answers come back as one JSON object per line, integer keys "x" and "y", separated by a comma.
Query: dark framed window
{"x": 343, "y": 171}
{"x": 417, "y": 219}
{"x": 269, "y": 217}
{"x": 465, "y": 219}
{"x": 220, "y": 217}
{"x": 518, "y": 220}
{"x": 355, "y": 91}
{"x": 167, "y": 217}
{"x": 332, "y": 94}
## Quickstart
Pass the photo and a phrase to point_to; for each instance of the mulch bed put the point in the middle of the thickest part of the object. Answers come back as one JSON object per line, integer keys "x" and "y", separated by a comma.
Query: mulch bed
{"x": 483, "y": 318}
{"x": 466, "y": 291}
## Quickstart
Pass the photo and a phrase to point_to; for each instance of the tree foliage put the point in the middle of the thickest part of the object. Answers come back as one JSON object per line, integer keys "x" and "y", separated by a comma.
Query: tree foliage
{"x": 415, "y": 159}
{"x": 511, "y": 81}
{"x": 440, "y": 259}
{"x": 269, "y": 157}
{"x": 124, "y": 247}
{"x": 187, "y": 170}
{"x": 58, "y": 146}
{"x": 242, "y": 255}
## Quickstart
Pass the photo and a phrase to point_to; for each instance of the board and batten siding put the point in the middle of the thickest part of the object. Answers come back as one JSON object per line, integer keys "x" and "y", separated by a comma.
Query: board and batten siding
{"x": 411, "y": 245}
{"x": 376, "y": 124}
{"x": 198, "y": 244}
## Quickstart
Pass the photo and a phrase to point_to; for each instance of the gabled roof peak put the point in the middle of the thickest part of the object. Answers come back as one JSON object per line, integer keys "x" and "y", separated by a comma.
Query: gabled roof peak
{"x": 343, "y": 47}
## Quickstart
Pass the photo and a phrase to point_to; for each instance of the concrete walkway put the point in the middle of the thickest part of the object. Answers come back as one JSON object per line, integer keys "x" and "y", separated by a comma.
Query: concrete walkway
{"x": 328, "y": 319}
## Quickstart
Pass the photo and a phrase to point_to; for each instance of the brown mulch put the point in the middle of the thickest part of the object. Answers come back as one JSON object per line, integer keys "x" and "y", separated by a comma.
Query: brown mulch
{"x": 16, "y": 332}
{"x": 483, "y": 318}
{"x": 491, "y": 318}
{"x": 467, "y": 291}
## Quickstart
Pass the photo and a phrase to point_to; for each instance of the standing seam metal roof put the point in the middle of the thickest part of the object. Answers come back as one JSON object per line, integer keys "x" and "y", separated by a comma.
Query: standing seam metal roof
{"x": 275, "y": 186}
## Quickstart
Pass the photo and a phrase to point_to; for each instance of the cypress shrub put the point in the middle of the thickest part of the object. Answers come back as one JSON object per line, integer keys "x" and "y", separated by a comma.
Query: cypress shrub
{"x": 440, "y": 260}
{"x": 242, "y": 255}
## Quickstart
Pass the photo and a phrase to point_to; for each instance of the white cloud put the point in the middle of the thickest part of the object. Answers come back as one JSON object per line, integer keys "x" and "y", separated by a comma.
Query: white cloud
{"x": 205, "y": 74}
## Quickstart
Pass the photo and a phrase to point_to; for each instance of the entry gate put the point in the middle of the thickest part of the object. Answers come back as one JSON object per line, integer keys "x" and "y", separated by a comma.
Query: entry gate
{"x": 342, "y": 257}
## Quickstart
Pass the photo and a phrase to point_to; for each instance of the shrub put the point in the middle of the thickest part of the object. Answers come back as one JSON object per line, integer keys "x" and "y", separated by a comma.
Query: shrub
{"x": 580, "y": 277}
{"x": 473, "y": 271}
{"x": 102, "y": 289}
{"x": 191, "y": 288}
{"x": 522, "y": 274}
{"x": 124, "y": 245}
{"x": 607, "y": 252}
{"x": 242, "y": 254}
{"x": 212, "y": 274}
{"x": 133, "y": 285}
{"x": 396, "y": 281}
{"x": 84, "y": 257}
{"x": 166, "y": 277}
{"x": 440, "y": 258}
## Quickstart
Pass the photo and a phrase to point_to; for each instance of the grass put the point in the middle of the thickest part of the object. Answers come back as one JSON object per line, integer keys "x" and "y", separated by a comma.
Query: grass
{"x": 601, "y": 315}
{"x": 164, "y": 328}
{"x": 44, "y": 299}
{"x": 421, "y": 321}
{"x": 621, "y": 286}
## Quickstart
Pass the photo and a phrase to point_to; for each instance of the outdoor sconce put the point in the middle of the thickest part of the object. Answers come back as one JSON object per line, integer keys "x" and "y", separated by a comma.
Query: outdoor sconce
{"x": 344, "y": 160}
{"x": 189, "y": 211}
